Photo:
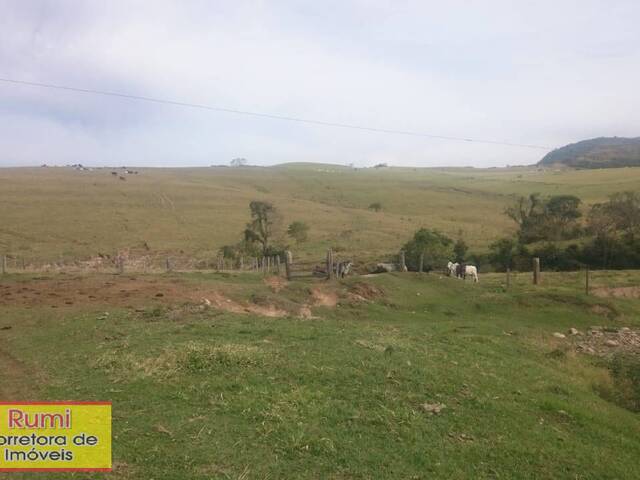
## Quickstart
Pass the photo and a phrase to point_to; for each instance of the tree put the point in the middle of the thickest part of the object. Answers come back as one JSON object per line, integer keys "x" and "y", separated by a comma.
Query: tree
{"x": 624, "y": 209}
{"x": 526, "y": 213}
{"x": 545, "y": 218}
{"x": 261, "y": 228}
{"x": 298, "y": 231}
{"x": 460, "y": 250}
{"x": 238, "y": 162}
{"x": 560, "y": 215}
{"x": 375, "y": 206}
{"x": 501, "y": 253}
{"x": 435, "y": 246}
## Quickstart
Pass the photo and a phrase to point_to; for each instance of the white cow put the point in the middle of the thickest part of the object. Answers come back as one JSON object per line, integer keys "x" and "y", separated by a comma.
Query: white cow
{"x": 471, "y": 270}
{"x": 454, "y": 271}
{"x": 453, "y": 268}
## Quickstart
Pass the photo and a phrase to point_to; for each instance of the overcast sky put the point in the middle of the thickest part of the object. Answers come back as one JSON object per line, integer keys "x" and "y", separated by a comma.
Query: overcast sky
{"x": 539, "y": 72}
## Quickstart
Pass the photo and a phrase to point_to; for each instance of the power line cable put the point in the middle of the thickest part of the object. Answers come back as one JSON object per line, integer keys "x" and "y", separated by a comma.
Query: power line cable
{"x": 267, "y": 115}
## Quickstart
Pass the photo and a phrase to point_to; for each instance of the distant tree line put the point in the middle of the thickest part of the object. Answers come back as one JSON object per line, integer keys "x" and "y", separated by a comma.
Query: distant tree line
{"x": 555, "y": 230}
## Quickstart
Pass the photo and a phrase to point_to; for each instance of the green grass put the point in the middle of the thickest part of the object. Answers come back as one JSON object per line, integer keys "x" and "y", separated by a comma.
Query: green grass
{"x": 208, "y": 394}
{"x": 53, "y": 213}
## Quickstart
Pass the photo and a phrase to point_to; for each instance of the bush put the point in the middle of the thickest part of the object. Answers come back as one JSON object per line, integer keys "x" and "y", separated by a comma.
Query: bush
{"x": 436, "y": 247}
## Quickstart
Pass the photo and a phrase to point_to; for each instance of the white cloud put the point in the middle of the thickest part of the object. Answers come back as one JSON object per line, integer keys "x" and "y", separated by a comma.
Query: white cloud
{"x": 539, "y": 72}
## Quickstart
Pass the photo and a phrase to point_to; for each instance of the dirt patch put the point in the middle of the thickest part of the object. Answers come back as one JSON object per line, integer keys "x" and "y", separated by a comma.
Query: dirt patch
{"x": 607, "y": 341}
{"x": 324, "y": 298}
{"x": 617, "y": 292}
{"x": 122, "y": 291}
{"x": 64, "y": 291}
{"x": 364, "y": 292}
{"x": 306, "y": 313}
{"x": 604, "y": 310}
{"x": 275, "y": 283}
{"x": 219, "y": 301}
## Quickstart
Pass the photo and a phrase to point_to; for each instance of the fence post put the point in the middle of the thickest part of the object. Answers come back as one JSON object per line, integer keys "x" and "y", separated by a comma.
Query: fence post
{"x": 278, "y": 264}
{"x": 241, "y": 263}
{"x": 586, "y": 281}
{"x": 287, "y": 264}
{"x": 120, "y": 264}
{"x": 421, "y": 264}
{"x": 4, "y": 264}
{"x": 329, "y": 264}
{"x": 403, "y": 265}
{"x": 536, "y": 270}
{"x": 508, "y": 277}
{"x": 168, "y": 264}
{"x": 24, "y": 265}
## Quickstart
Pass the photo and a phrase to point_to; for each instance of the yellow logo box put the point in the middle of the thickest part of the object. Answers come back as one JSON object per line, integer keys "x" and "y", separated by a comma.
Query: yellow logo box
{"x": 55, "y": 436}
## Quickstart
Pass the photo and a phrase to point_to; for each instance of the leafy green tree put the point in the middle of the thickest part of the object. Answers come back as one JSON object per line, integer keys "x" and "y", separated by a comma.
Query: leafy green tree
{"x": 298, "y": 231}
{"x": 262, "y": 225}
{"x": 460, "y": 249}
{"x": 435, "y": 246}
{"x": 502, "y": 253}
{"x": 552, "y": 218}
{"x": 526, "y": 212}
{"x": 624, "y": 209}
{"x": 375, "y": 206}
{"x": 560, "y": 215}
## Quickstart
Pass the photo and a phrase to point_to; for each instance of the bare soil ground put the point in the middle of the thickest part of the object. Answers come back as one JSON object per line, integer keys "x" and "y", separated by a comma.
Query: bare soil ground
{"x": 617, "y": 292}
{"x": 137, "y": 291}
{"x": 118, "y": 291}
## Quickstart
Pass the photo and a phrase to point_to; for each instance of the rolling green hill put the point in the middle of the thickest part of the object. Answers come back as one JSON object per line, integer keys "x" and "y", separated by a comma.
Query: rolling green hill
{"x": 51, "y": 212}
{"x": 604, "y": 152}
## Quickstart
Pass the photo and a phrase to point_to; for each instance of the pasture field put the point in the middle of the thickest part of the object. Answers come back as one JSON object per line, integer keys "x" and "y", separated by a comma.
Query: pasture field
{"x": 52, "y": 213}
{"x": 412, "y": 376}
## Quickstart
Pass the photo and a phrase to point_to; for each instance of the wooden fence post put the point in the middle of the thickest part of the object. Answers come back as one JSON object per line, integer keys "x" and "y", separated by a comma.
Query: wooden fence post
{"x": 4, "y": 264}
{"x": 169, "y": 264}
{"x": 287, "y": 264}
{"x": 120, "y": 264}
{"x": 403, "y": 264}
{"x": 536, "y": 270}
{"x": 241, "y": 262}
{"x": 278, "y": 264}
{"x": 421, "y": 263}
{"x": 329, "y": 264}
{"x": 586, "y": 281}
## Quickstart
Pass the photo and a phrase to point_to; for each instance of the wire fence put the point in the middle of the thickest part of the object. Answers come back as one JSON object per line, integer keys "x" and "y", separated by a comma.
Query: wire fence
{"x": 327, "y": 266}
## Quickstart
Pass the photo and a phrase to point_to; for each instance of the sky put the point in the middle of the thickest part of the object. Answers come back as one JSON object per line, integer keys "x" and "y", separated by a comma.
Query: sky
{"x": 542, "y": 72}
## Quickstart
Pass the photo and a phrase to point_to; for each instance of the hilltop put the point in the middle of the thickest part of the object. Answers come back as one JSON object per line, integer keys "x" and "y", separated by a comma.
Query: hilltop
{"x": 49, "y": 213}
{"x": 603, "y": 152}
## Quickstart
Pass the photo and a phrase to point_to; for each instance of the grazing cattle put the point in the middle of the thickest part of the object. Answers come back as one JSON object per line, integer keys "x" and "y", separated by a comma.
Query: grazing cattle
{"x": 344, "y": 268}
{"x": 460, "y": 270}
{"x": 385, "y": 268}
{"x": 453, "y": 269}
{"x": 472, "y": 271}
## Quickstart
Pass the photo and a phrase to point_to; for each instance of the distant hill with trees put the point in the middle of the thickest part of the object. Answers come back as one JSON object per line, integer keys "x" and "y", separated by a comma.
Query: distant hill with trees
{"x": 603, "y": 152}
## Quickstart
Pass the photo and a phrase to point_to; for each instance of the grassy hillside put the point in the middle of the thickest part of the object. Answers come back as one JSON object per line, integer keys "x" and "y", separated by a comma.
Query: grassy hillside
{"x": 52, "y": 212}
{"x": 604, "y": 152}
{"x": 413, "y": 376}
